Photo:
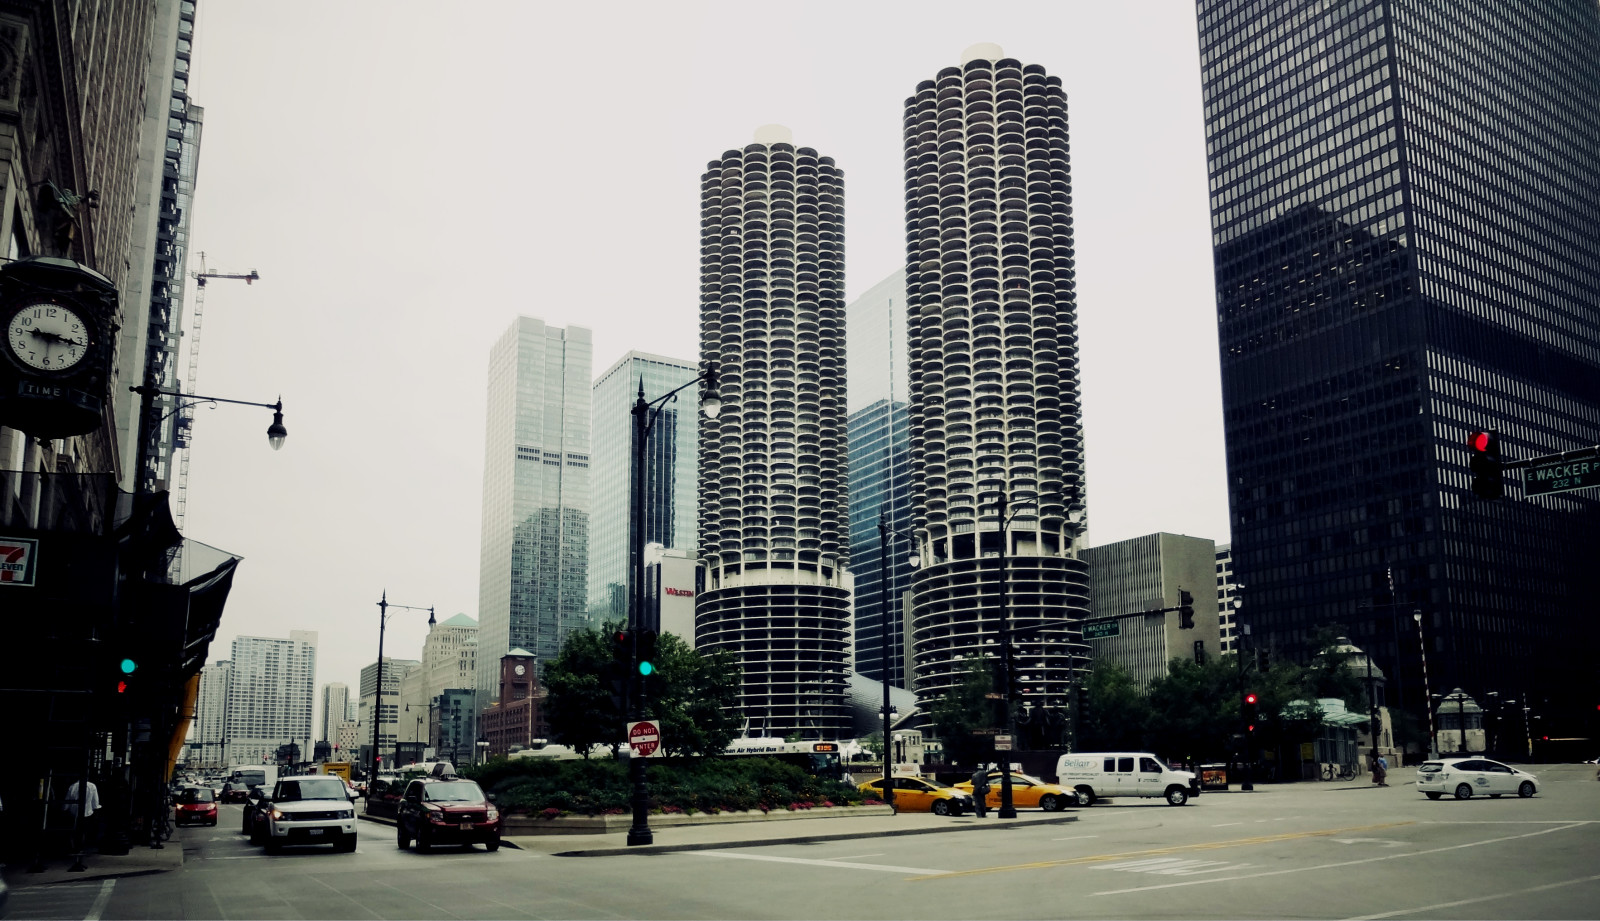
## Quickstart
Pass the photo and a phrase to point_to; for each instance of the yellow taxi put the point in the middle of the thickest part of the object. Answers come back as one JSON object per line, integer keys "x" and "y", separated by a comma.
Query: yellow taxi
{"x": 913, "y": 794}
{"x": 1026, "y": 792}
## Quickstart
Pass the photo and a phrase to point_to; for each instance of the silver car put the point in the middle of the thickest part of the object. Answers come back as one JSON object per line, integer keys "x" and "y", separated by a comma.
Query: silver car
{"x": 1467, "y": 777}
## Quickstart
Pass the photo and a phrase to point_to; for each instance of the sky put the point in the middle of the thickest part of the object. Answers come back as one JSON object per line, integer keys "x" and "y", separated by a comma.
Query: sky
{"x": 407, "y": 180}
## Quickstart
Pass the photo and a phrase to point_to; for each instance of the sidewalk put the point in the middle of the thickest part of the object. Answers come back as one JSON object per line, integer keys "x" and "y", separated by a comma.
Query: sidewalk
{"x": 140, "y": 860}
{"x": 798, "y": 831}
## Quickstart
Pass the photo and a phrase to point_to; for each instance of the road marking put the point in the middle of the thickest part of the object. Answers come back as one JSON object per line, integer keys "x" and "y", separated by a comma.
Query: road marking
{"x": 1486, "y": 898}
{"x": 1226, "y": 824}
{"x": 1175, "y": 849}
{"x": 852, "y": 857}
{"x": 1342, "y": 863}
{"x": 1076, "y": 838}
{"x": 99, "y": 906}
{"x": 920, "y": 873}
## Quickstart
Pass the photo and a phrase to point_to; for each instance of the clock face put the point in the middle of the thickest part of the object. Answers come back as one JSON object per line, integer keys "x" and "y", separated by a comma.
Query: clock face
{"x": 520, "y": 670}
{"x": 47, "y": 336}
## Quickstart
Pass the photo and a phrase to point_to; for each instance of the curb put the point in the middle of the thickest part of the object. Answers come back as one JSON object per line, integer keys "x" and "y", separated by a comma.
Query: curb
{"x": 390, "y": 823}
{"x": 800, "y": 839}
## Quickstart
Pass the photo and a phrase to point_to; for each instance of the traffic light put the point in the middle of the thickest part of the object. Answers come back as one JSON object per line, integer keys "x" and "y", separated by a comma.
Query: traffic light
{"x": 647, "y": 652}
{"x": 1185, "y": 610}
{"x": 1483, "y": 449}
{"x": 1084, "y": 714}
{"x": 1250, "y": 701}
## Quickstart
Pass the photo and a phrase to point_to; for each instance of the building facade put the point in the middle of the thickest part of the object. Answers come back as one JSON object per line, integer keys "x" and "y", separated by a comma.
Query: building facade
{"x": 669, "y": 472}
{"x": 534, "y": 562}
{"x": 271, "y": 696}
{"x": 334, "y": 706}
{"x": 773, "y": 502}
{"x": 394, "y": 674}
{"x": 208, "y": 732}
{"x": 515, "y": 719}
{"x": 880, "y": 475}
{"x": 1227, "y": 596}
{"x": 1404, "y": 255}
{"x": 1131, "y": 583}
{"x": 996, "y": 435}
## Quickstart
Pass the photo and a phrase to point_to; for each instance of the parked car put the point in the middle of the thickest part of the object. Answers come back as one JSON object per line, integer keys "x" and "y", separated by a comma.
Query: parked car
{"x": 1468, "y": 777}
{"x": 307, "y": 810}
{"x": 446, "y": 811}
{"x": 383, "y": 795}
{"x": 913, "y": 794}
{"x": 234, "y": 793}
{"x": 1026, "y": 792}
{"x": 195, "y": 806}
{"x": 1096, "y": 775}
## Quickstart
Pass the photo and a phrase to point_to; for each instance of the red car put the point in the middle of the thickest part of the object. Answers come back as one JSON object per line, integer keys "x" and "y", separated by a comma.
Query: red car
{"x": 441, "y": 811}
{"x": 196, "y": 806}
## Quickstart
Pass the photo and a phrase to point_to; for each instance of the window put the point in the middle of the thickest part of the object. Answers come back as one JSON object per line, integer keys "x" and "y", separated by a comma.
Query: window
{"x": 1125, "y": 765}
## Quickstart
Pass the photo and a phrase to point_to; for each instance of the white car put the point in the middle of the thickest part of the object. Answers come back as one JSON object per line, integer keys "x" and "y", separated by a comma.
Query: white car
{"x": 1465, "y": 778}
{"x": 309, "y": 810}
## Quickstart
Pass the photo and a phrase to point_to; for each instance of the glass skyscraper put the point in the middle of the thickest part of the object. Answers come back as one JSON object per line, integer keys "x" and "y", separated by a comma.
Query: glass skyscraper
{"x": 1404, "y": 219}
{"x": 534, "y": 562}
{"x": 669, "y": 518}
{"x": 880, "y": 474}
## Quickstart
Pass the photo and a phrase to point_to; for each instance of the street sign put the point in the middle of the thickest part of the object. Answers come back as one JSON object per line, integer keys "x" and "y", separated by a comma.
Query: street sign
{"x": 644, "y": 737}
{"x": 1560, "y": 476}
{"x": 1100, "y": 629}
{"x": 1002, "y": 743}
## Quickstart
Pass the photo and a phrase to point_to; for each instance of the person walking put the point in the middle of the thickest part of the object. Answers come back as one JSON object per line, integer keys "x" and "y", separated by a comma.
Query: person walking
{"x": 980, "y": 791}
{"x": 1383, "y": 771}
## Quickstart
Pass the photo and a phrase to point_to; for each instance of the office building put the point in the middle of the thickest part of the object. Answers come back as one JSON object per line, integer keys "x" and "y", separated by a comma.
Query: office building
{"x": 1403, "y": 226}
{"x": 773, "y": 501}
{"x": 1228, "y": 599}
{"x": 669, "y": 472}
{"x": 271, "y": 692}
{"x": 994, "y": 373}
{"x": 1133, "y": 583}
{"x": 670, "y": 588}
{"x": 394, "y": 672}
{"x": 449, "y": 660}
{"x": 335, "y": 704}
{"x": 880, "y": 474}
{"x": 534, "y": 561}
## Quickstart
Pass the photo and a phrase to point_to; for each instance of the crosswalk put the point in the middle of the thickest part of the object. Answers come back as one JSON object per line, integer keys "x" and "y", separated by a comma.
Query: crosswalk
{"x": 1171, "y": 866}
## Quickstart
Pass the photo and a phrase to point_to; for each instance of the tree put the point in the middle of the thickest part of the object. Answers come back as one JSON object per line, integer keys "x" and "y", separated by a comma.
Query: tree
{"x": 1195, "y": 708}
{"x": 1117, "y": 715}
{"x": 965, "y": 709}
{"x": 694, "y": 696}
{"x": 579, "y": 707}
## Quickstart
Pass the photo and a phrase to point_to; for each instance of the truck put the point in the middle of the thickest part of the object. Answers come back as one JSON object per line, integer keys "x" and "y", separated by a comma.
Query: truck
{"x": 254, "y": 775}
{"x": 341, "y": 768}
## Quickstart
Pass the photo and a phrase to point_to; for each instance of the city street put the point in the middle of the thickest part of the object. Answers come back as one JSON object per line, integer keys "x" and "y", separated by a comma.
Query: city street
{"x": 1336, "y": 850}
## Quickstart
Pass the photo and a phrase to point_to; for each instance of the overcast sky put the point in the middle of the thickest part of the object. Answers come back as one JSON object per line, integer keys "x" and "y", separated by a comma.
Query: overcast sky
{"x": 408, "y": 177}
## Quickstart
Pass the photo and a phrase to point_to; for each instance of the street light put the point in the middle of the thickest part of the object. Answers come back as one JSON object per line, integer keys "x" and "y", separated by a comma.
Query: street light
{"x": 645, "y": 412}
{"x": 276, "y": 433}
{"x": 884, "y": 533}
{"x": 1008, "y": 809}
{"x": 1427, "y": 696}
{"x": 1240, "y": 631}
{"x": 377, "y": 706}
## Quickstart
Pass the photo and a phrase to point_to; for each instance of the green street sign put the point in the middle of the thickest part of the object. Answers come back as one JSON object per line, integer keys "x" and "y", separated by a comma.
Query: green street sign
{"x": 1560, "y": 476}
{"x": 1100, "y": 629}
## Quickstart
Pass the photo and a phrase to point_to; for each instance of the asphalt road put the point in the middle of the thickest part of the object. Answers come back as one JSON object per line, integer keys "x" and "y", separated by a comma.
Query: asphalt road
{"x": 1300, "y": 851}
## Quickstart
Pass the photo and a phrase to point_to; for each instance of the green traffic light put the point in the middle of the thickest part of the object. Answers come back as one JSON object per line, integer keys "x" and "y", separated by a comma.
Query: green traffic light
{"x": 646, "y": 668}
{"x": 129, "y": 666}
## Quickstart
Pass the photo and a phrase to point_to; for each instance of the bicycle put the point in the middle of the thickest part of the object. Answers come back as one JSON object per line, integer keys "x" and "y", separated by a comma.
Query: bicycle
{"x": 1338, "y": 771}
{"x": 161, "y": 824}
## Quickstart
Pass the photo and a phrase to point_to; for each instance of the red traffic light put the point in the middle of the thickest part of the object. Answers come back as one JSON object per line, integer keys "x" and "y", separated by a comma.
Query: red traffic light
{"x": 122, "y": 687}
{"x": 1480, "y": 441}
{"x": 1250, "y": 699}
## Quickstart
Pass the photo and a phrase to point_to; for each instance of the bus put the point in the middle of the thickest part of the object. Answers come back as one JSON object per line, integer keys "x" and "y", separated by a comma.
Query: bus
{"x": 820, "y": 759}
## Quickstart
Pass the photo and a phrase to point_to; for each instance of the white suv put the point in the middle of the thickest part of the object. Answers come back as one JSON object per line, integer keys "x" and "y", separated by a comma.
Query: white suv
{"x": 309, "y": 810}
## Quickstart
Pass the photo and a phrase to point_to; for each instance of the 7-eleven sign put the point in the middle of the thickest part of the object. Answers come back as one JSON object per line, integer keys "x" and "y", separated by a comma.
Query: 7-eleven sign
{"x": 19, "y": 560}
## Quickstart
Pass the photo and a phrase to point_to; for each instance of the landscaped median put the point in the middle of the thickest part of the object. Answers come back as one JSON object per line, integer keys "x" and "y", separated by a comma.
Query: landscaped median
{"x": 543, "y": 796}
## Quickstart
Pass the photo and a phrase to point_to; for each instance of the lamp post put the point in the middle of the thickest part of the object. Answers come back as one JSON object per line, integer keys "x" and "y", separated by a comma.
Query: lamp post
{"x": 1427, "y": 696}
{"x": 645, "y": 413}
{"x": 276, "y": 433}
{"x": 884, "y": 533}
{"x": 1008, "y": 809}
{"x": 1240, "y": 631}
{"x": 377, "y": 706}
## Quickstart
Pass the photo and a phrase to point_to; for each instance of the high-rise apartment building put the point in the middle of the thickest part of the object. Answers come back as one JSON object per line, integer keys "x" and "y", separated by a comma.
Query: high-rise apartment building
{"x": 1403, "y": 220}
{"x": 773, "y": 497}
{"x": 534, "y": 562}
{"x": 994, "y": 372}
{"x": 1133, "y": 583}
{"x": 270, "y": 695}
{"x": 208, "y": 731}
{"x": 334, "y": 705}
{"x": 669, "y": 472}
{"x": 880, "y": 474}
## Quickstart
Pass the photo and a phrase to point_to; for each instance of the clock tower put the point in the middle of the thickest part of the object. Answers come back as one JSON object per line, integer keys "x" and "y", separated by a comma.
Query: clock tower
{"x": 517, "y": 679}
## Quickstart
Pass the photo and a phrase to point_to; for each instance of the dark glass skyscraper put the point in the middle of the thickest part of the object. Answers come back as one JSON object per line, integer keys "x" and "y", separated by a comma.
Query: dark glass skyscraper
{"x": 1404, "y": 220}
{"x": 880, "y": 484}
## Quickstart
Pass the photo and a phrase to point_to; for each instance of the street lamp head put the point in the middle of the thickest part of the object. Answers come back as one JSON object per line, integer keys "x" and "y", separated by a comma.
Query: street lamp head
{"x": 710, "y": 399}
{"x": 276, "y": 433}
{"x": 1075, "y": 515}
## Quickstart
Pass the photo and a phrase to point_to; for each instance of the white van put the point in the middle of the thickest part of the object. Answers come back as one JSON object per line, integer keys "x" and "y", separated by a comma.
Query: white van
{"x": 1106, "y": 774}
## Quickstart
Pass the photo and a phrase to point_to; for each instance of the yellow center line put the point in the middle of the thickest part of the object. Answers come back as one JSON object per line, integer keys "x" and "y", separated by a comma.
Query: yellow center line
{"x": 1158, "y": 851}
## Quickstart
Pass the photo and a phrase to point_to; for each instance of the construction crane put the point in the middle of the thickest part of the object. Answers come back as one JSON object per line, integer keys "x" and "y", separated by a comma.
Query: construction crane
{"x": 185, "y": 422}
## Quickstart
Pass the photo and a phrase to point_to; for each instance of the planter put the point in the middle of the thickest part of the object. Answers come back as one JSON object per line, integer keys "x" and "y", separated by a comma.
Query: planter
{"x": 517, "y": 825}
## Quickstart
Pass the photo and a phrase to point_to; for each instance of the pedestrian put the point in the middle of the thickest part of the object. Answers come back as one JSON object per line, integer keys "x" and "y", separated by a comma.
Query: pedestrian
{"x": 847, "y": 778}
{"x": 87, "y": 827}
{"x": 1383, "y": 771}
{"x": 980, "y": 790}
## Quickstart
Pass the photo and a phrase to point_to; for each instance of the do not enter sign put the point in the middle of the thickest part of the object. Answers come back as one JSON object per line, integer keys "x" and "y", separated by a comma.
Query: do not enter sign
{"x": 644, "y": 737}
